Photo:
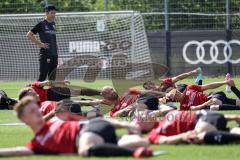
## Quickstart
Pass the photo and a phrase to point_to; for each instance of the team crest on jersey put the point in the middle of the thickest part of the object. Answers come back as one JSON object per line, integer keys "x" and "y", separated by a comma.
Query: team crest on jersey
{"x": 188, "y": 93}
{"x": 46, "y": 27}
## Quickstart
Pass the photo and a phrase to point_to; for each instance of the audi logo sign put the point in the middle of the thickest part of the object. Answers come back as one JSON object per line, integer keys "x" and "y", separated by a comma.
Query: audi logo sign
{"x": 213, "y": 52}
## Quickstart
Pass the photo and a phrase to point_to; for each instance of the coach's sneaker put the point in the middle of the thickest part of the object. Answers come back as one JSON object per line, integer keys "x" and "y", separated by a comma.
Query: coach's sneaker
{"x": 143, "y": 152}
{"x": 228, "y": 87}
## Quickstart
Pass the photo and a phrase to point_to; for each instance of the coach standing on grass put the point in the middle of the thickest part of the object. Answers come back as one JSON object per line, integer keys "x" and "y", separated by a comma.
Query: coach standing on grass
{"x": 48, "y": 44}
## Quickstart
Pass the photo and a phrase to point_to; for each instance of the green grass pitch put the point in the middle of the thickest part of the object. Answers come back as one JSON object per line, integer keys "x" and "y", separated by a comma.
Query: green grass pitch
{"x": 11, "y": 136}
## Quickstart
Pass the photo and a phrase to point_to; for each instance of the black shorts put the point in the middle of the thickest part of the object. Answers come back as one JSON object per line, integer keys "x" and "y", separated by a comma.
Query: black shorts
{"x": 216, "y": 119}
{"x": 58, "y": 93}
{"x": 181, "y": 87}
{"x": 222, "y": 97}
{"x": 102, "y": 128}
{"x": 150, "y": 101}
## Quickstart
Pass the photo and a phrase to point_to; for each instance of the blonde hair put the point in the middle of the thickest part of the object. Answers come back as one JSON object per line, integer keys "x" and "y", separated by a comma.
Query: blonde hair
{"x": 20, "y": 106}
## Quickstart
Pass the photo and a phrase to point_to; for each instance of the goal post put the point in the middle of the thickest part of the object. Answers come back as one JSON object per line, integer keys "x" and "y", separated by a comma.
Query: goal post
{"x": 88, "y": 38}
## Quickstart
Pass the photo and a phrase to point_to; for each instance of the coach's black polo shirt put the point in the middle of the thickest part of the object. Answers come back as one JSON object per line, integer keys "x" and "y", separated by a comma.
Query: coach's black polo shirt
{"x": 47, "y": 34}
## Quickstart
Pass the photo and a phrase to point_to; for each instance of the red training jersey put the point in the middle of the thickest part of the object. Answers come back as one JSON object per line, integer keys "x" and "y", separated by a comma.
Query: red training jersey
{"x": 47, "y": 106}
{"x": 168, "y": 82}
{"x": 193, "y": 96}
{"x": 57, "y": 137}
{"x": 40, "y": 91}
{"x": 175, "y": 122}
{"x": 126, "y": 100}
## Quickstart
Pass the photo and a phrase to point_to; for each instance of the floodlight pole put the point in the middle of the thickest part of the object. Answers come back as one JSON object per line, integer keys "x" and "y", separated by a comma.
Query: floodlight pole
{"x": 105, "y": 5}
{"x": 168, "y": 38}
{"x": 46, "y": 2}
{"x": 228, "y": 31}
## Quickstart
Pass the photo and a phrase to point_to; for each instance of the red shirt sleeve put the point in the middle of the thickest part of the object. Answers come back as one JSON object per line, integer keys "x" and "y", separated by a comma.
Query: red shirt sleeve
{"x": 34, "y": 147}
{"x": 134, "y": 91}
{"x": 47, "y": 107}
{"x": 111, "y": 113}
{"x": 29, "y": 145}
{"x": 36, "y": 84}
{"x": 168, "y": 82}
{"x": 153, "y": 138}
{"x": 195, "y": 87}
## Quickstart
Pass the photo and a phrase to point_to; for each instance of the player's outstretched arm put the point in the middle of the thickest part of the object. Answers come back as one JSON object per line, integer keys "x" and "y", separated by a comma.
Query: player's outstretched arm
{"x": 123, "y": 112}
{"x": 92, "y": 102}
{"x": 53, "y": 83}
{"x": 17, "y": 151}
{"x": 215, "y": 85}
{"x": 123, "y": 124}
{"x": 203, "y": 106}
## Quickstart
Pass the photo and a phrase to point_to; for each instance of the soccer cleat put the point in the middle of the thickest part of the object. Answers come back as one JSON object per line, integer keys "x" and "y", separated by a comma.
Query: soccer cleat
{"x": 228, "y": 77}
{"x": 199, "y": 77}
{"x": 143, "y": 152}
{"x": 199, "y": 70}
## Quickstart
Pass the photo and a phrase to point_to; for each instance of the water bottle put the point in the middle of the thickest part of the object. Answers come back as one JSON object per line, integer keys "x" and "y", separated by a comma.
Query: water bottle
{"x": 228, "y": 88}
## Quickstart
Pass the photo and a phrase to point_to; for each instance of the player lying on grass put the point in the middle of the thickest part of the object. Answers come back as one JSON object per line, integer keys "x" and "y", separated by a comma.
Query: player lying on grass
{"x": 180, "y": 126}
{"x": 48, "y": 108}
{"x": 5, "y": 101}
{"x": 96, "y": 137}
{"x": 122, "y": 105}
{"x": 56, "y": 91}
{"x": 193, "y": 97}
{"x": 125, "y": 104}
{"x": 169, "y": 83}
{"x": 69, "y": 110}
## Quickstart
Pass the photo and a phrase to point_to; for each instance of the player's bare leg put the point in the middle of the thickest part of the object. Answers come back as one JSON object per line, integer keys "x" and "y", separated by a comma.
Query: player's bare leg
{"x": 185, "y": 75}
{"x": 132, "y": 141}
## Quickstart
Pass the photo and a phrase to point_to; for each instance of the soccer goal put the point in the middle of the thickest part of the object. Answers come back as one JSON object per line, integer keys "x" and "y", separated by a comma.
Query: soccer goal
{"x": 83, "y": 39}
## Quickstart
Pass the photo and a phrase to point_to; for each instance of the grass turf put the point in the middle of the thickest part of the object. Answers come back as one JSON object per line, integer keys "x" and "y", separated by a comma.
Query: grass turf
{"x": 11, "y": 136}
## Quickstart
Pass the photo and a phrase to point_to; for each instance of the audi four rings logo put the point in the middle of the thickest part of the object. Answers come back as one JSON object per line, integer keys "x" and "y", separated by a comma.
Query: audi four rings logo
{"x": 213, "y": 51}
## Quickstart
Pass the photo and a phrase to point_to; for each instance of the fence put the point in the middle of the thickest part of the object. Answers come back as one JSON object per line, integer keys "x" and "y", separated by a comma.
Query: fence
{"x": 171, "y": 25}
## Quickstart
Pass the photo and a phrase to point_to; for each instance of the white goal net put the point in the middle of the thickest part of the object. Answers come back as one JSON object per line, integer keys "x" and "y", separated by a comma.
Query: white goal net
{"x": 83, "y": 39}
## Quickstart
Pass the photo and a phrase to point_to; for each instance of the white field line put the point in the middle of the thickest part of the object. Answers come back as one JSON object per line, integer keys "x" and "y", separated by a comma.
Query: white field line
{"x": 12, "y": 124}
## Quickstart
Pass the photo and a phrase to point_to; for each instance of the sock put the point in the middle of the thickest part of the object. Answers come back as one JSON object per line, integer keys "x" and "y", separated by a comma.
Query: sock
{"x": 221, "y": 137}
{"x": 108, "y": 149}
{"x": 200, "y": 82}
{"x": 235, "y": 91}
{"x": 228, "y": 107}
{"x": 199, "y": 78}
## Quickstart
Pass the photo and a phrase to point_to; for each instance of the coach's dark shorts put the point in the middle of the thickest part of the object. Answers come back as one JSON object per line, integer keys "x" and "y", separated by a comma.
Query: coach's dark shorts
{"x": 102, "y": 128}
{"x": 58, "y": 93}
{"x": 216, "y": 119}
